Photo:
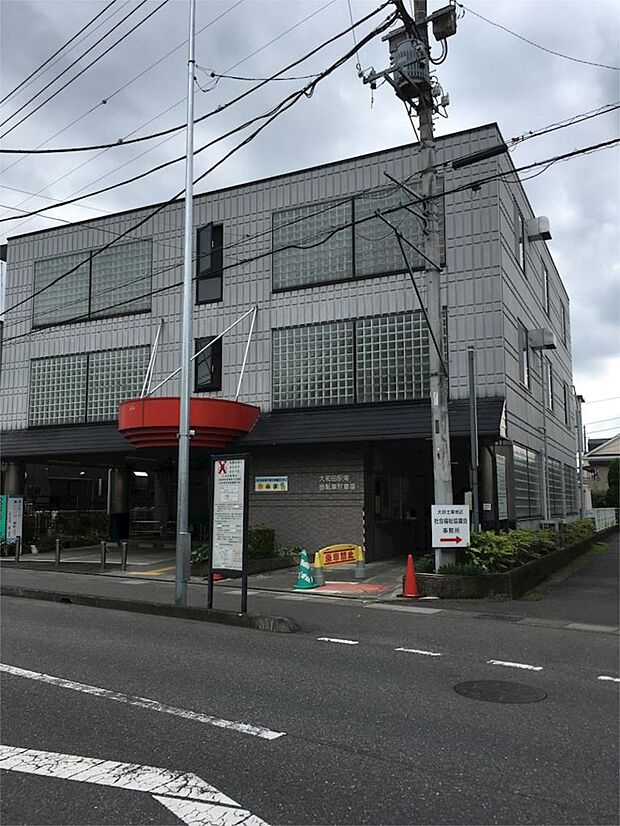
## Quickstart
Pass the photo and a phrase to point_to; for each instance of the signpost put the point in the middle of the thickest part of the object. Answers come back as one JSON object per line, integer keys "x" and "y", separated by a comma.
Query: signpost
{"x": 450, "y": 524}
{"x": 2, "y": 518}
{"x": 229, "y": 525}
{"x": 13, "y": 518}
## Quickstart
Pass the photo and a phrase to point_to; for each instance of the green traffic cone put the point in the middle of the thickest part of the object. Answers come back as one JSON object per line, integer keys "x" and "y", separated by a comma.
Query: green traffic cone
{"x": 305, "y": 580}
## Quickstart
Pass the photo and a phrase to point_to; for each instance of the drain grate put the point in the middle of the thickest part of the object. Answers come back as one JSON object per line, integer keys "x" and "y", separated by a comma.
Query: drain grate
{"x": 500, "y": 691}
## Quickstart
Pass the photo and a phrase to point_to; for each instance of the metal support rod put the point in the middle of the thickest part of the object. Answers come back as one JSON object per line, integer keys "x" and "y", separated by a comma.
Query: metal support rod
{"x": 442, "y": 470}
{"x": 18, "y": 549}
{"x": 57, "y": 553}
{"x": 103, "y": 549}
{"x": 245, "y": 355}
{"x": 473, "y": 439}
{"x": 124, "y": 546}
{"x": 202, "y": 350}
{"x": 146, "y": 385}
{"x": 183, "y": 538}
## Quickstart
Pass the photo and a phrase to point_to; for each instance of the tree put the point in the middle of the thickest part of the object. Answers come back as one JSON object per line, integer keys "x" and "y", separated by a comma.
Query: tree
{"x": 613, "y": 480}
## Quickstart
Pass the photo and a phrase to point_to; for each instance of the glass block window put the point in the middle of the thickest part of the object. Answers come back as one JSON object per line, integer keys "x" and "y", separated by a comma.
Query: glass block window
{"x": 307, "y": 226}
{"x": 392, "y": 358}
{"x": 116, "y": 281}
{"x": 66, "y": 299}
{"x": 121, "y": 276}
{"x": 86, "y": 387}
{"x": 58, "y": 390}
{"x": 571, "y": 489}
{"x": 313, "y": 366}
{"x": 527, "y": 486}
{"x": 555, "y": 481}
{"x": 377, "y": 251}
{"x": 113, "y": 376}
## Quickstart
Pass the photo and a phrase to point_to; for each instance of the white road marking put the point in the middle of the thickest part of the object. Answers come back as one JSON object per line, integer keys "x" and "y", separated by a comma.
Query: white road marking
{"x": 144, "y": 702}
{"x": 419, "y": 651}
{"x": 408, "y": 609}
{"x": 611, "y": 679}
{"x": 335, "y": 639}
{"x": 190, "y": 798}
{"x": 516, "y": 665}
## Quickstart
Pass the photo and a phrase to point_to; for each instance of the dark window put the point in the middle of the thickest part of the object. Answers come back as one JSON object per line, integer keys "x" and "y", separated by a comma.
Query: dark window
{"x": 546, "y": 288}
{"x": 566, "y": 405}
{"x": 563, "y": 324}
{"x": 550, "y": 400}
{"x": 208, "y": 374}
{"x": 520, "y": 237}
{"x": 524, "y": 356}
{"x": 210, "y": 247}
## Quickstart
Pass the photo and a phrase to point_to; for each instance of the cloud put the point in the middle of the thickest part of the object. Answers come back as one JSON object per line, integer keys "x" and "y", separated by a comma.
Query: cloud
{"x": 490, "y": 76}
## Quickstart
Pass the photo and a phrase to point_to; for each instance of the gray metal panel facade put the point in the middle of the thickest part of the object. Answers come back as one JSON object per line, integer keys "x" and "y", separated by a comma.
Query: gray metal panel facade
{"x": 483, "y": 287}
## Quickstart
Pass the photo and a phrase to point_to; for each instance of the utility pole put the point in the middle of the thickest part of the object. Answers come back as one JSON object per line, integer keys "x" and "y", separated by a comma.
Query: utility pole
{"x": 442, "y": 469}
{"x": 579, "y": 400}
{"x": 183, "y": 539}
{"x": 409, "y": 74}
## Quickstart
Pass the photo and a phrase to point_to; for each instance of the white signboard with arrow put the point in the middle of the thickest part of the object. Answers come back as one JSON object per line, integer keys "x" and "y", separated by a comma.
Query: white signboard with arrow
{"x": 450, "y": 524}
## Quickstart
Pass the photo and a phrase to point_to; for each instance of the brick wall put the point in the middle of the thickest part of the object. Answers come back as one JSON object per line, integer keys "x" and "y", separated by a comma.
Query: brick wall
{"x": 311, "y": 514}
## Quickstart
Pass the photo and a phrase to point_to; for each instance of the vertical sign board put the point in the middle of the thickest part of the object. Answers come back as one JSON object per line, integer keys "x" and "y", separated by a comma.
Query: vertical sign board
{"x": 502, "y": 495}
{"x": 450, "y": 525}
{"x": 229, "y": 522}
{"x": 14, "y": 517}
{"x": 2, "y": 518}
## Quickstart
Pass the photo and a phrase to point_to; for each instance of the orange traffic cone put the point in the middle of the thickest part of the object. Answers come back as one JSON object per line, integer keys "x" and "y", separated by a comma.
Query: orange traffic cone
{"x": 410, "y": 583}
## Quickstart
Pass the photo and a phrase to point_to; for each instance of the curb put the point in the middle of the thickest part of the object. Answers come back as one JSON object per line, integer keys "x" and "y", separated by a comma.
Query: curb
{"x": 259, "y": 622}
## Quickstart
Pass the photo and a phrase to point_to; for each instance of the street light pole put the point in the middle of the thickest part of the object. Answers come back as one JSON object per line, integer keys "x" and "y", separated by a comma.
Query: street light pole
{"x": 183, "y": 539}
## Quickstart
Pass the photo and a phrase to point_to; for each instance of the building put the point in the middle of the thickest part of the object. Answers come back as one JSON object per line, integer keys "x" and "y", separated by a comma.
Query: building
{"x": 600, "y": 455}
{"x": 338, "y": 362}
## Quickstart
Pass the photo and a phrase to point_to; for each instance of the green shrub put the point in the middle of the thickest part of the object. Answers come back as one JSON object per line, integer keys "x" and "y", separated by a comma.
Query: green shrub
{"x": 200, "y": 553}
{"x": 425, "y": 564}
{"x": 461, "y": 568}
{"x": 261, "y": 542}
{"x": 292, "y": 551}
{"x": 578, "y": 531}
{"x": 613, "y": 480}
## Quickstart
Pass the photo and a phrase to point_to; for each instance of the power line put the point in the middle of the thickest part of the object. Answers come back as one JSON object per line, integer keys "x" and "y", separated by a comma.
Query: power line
{"x": 537, "y": 45}
{"x": 600, "y": 401}
{"x": 216, "y": 111}
{"x": 326, "y": 235}
{"x": 602, "y": 421}
{"x": 166, "y": 164}
{"x": 286, "y": 104}
{"x": 128, "y": 83}
{"x": 80, "y": 73}
{"x": 572, "y": 121}
{"x": 57, "y": 52}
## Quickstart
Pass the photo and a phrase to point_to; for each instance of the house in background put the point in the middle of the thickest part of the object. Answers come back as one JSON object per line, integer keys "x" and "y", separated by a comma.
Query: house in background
{"x": 601, "y": 453}
{"x": 339, "y": 359}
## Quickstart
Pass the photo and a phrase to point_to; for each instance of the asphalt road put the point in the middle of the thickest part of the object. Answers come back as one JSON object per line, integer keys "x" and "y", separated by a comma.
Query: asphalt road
{"x": 349, "y": 732}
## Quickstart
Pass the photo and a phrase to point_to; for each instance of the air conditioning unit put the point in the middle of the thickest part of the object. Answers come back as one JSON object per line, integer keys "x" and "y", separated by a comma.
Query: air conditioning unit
{"x": 542, "y": 339}
{"x": 538, "y": 229}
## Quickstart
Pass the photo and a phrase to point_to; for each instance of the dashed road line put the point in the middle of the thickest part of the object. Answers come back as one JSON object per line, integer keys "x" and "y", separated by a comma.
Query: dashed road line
{"x": 336, "y": 639}
{"x": 144, "y": 702}
{"x": 188, "y": 796}
{"x": 610, "y": 679}
{"x": 525, "y": 666}
{"x": 419, "y": 651}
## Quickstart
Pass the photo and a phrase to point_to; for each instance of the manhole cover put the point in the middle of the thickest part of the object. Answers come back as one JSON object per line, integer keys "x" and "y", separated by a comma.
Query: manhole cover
{"x": 500, "y": 691}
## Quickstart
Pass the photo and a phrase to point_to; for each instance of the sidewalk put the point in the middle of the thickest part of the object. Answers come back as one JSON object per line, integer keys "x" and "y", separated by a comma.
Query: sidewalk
{"x": 587, "y": 591}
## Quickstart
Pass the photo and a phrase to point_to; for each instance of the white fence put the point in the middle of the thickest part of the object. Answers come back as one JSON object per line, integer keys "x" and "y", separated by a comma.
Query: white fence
{"x": 602, "y": 517}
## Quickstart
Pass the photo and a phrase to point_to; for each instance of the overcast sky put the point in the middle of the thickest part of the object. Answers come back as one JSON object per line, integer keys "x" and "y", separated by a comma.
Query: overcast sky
{"x": 489, "y": 74}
